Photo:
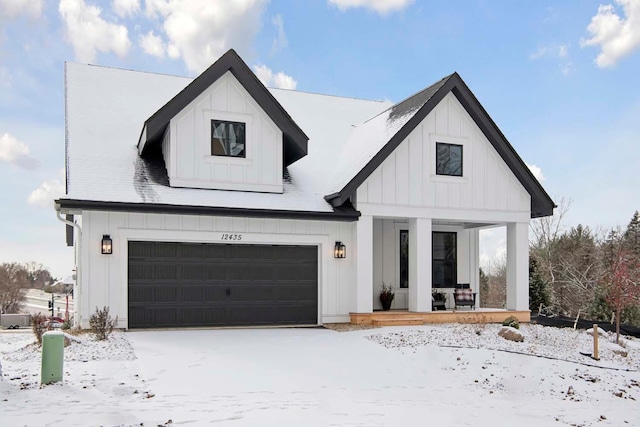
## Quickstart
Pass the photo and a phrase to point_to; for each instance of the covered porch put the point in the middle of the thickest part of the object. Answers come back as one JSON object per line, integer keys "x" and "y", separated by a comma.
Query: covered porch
{"x": 419, "y": 256}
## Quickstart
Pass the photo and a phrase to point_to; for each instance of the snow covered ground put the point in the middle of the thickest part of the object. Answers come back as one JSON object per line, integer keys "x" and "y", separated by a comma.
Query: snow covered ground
{"x": 391, "y": 376}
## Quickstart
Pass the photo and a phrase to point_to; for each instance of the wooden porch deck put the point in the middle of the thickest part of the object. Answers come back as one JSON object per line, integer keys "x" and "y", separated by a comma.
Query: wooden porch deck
{"x": 405, "y": 317}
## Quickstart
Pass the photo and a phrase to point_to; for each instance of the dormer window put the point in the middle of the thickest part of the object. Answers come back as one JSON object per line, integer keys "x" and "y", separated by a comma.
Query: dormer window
{"x": 228, "y": 138}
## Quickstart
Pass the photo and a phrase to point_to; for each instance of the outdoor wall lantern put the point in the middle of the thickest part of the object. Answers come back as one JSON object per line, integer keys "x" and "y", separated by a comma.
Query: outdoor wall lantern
{"x": 107, "y": 245}
{"x": 340, "y": 250}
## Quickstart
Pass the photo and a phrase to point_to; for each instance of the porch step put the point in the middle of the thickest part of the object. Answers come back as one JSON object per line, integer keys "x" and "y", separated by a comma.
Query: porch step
{"x": 402, "y": 321}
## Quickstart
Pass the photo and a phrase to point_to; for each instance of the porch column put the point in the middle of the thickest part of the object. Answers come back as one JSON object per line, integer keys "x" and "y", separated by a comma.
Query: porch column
{"x": 518, "y": 266}
{"x": 474, "y": 263}
{"x": 364, "y": 264}
{"x": 420, "y": 264}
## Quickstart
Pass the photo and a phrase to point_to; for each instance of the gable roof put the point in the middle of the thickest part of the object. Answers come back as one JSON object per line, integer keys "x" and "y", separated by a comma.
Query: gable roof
{"x": 394, "y": 125}
{"x": 295, "y": 140}
{"x": 102, "y": 128}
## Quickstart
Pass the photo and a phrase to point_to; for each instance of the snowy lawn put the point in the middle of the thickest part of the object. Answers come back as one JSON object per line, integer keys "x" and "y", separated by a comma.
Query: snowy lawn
{"x": 391, "y": 376}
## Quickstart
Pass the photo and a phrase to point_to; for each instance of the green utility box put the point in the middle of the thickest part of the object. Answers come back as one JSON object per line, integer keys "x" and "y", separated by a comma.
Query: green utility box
{"x": 52, "y": 356}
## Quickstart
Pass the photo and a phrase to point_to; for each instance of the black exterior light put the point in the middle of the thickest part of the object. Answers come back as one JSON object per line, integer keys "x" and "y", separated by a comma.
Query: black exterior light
{"x": 340, "y": 251}
{"x": 107, "y": 245}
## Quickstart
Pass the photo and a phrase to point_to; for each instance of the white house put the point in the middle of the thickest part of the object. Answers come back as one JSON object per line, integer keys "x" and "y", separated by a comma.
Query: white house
{"x": 218, "y": 202}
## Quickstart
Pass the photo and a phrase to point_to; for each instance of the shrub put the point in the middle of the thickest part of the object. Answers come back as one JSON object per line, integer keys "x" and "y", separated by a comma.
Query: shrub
{"x": 102, "y": 324}
{"x": 67, "y": 324}
{"x": 512, "y": 322}
{"x": 39, "y": 326}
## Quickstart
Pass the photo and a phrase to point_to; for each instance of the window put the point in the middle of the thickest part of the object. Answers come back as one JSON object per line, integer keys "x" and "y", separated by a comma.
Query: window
{"x": 444, "y": 260}
{"x": 404, "y": 258}
{"x": 448, "y": 159}
{"x": 227, "y": 138}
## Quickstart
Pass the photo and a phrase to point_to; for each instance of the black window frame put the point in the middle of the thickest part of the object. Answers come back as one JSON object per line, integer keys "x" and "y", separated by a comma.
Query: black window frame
{"x": 227, "y": 142}
{"x": 438, "y": 165}
{"x": 451, "y": 263}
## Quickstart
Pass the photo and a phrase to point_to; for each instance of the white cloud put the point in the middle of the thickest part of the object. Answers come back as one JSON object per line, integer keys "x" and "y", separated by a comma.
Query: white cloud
{"x": 279, "y": 80}
{"x": 16, "y": 152}
{"x": 616, "y": 36}
{"x": 380, "y": 6}
{"x": 200, "y": 32}
{"x": 47, "y": 192}
{"x": 280, "y": 41}
{"x": 563, "y": 50}
{"x": 536, "y": 171}
{"x": 553, "y": 50}
{"x": 153, "y": 45}
{"x": 88, "y": 32}
{"x": 125, "y": 8}
{"x": 13, "y": 8}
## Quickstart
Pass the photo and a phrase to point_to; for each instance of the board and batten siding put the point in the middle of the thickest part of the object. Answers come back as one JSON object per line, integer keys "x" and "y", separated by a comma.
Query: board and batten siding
{"x": 407, "y": 178}
{"x": 104, "y": 277}
{"x": 187, "y": 147}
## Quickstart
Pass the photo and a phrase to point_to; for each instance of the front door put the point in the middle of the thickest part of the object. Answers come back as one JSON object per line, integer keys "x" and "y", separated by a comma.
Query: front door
{"x": 401, "y": 301}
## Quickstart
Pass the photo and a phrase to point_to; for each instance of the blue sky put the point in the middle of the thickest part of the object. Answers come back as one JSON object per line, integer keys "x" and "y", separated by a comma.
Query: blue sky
{"x": 561, "y": 80}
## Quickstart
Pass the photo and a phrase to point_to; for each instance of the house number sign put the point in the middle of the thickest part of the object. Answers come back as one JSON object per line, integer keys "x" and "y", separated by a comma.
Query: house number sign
{"x": 226, "y": 236}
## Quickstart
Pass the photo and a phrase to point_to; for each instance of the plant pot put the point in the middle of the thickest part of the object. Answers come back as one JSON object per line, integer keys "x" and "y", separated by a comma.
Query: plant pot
{"x": 386, "y": 304}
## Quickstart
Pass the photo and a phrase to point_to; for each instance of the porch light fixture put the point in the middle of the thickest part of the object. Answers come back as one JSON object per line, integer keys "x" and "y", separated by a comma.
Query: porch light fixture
{"x": 340, "y": 251}
{"x": 107, "y": 245}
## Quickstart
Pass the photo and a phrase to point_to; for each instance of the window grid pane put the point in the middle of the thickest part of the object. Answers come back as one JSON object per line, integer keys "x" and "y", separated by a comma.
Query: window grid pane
{"x": 444, "y": 265}
{"x": 228, "y": 138}
{"x": 448, "y": 159}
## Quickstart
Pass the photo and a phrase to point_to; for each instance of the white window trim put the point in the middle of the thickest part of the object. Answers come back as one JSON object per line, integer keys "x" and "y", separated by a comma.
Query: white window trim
{"x": 250, "y": 137}
{"x": 466, "y": 157}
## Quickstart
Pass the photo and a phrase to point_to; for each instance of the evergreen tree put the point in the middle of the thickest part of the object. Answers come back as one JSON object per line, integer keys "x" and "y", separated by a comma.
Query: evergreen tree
{"x": 539, "y": 292}
{"x": 484, "y": 282}
{"x": 632, "y": 235}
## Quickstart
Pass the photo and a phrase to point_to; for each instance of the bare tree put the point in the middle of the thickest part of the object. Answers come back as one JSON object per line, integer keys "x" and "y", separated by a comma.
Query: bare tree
{"x": 622, "y": 284}
{"x": 546, "y": 233}
{"x": 13, "y": 279}
{"x": 495, "y": 293}
{"x": 38, "y": 275}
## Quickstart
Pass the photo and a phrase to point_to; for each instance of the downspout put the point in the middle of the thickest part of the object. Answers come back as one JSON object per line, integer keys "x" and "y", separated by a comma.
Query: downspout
{"x": 78, "y": 291}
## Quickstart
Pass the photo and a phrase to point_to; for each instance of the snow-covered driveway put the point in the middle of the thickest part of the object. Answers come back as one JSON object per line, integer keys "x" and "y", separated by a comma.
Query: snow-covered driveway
{"x": 318, "y": 377}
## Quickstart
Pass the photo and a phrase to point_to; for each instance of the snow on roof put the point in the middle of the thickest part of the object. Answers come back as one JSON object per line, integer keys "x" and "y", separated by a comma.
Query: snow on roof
{"x": 106, "y": 108}
{"x": 368, "y": 139}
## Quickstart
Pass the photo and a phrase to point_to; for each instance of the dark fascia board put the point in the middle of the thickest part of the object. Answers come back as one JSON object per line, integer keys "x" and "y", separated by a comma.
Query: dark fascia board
{"x": 541, "y": 202}
{"x": 295, "y": 140}
{"x": 345, "y": 213}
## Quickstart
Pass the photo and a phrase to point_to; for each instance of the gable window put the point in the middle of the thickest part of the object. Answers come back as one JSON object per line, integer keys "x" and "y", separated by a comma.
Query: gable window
{"x": 228, "y": 138}
{"x": 445, "y": 274}
{"x": 448, "y": 159}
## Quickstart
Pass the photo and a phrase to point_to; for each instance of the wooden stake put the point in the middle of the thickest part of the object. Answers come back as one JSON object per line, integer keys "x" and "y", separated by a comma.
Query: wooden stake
{"x": 596, "y": 356}
{"x": 576, "y": 322}
{"x": 539, "y": 309}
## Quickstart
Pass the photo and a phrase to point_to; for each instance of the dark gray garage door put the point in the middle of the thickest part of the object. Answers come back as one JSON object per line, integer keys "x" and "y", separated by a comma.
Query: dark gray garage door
{"x": 196, "y": 284}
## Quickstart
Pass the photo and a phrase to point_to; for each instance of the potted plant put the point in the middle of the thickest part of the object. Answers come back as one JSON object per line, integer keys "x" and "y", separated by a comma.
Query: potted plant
{"x": 438, "y": 295}
{"x": 386, "y": 296}
{"x": 439, "y": 300}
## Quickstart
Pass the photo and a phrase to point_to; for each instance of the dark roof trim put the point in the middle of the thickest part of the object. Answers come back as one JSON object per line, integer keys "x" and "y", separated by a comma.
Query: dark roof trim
{"x": 295, "y": 140}
{"x": 541, "y": 202}
{"x": 344, "y": 213}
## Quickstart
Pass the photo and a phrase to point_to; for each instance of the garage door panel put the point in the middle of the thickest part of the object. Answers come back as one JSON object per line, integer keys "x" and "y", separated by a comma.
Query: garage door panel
{"x": 193, "y": 284}
{"x": 192, "y": 293}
